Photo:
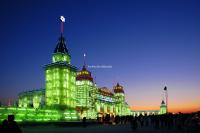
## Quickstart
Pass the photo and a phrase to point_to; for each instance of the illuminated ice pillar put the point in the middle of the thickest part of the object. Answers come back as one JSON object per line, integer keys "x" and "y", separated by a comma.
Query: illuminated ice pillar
{"x": 85, "y": 92}
{"x": 120, "y": 99}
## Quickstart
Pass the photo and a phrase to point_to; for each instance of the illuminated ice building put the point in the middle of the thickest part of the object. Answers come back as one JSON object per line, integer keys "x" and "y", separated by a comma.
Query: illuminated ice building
{"x": 69, "y": 94}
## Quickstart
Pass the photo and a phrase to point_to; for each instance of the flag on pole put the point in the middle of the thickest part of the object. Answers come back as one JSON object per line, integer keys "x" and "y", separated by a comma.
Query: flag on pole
{"x": 62, "y": 18}
{"x": 165, "y": 88}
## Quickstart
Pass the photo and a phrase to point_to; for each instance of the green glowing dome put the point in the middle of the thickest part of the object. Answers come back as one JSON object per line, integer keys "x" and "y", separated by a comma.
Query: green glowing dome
{"x": 84, "y": 74}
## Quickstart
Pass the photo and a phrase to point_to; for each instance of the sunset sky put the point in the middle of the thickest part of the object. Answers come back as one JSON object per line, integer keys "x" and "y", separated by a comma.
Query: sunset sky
{"x": 149, "y": 44}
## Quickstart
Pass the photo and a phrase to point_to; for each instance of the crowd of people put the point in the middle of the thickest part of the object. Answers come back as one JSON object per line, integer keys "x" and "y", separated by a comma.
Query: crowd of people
{"x": 189, "y": 123}
{"x": 184, "y": 122}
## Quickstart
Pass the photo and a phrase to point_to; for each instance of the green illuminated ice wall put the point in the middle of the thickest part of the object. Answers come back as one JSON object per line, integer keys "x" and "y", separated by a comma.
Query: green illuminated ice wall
{"x": 105, "y": 103}
{"x": 37, "y": 115}
{"x": 60, "y": 79}
{"x": 32, "y": 99}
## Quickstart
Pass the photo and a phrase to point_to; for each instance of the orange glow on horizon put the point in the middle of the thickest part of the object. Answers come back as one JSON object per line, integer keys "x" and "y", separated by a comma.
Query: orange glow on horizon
{"x": 174, "y": 109}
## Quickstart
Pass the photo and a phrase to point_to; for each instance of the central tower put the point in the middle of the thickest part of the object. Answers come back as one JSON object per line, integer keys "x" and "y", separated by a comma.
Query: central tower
{"x": 60, "y": 77}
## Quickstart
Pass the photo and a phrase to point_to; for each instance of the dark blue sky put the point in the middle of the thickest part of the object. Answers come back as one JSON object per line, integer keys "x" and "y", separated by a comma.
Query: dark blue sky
{"x": 149, "y": 44}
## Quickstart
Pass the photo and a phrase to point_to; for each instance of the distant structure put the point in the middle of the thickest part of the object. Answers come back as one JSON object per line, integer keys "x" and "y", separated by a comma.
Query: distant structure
{"x": 163, "y": 108}
{"x": 166, "y": 97}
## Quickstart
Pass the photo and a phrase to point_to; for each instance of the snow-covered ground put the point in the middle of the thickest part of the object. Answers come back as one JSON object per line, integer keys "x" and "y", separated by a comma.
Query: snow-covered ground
{"x": 96, "y": 129}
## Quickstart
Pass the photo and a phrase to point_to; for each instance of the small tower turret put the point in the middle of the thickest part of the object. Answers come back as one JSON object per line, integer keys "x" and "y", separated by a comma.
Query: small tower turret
{"x": 120, "y": 100}
{"x": 119, "y": 93}
{"x": 163, "y": 108}
{"x": 85, "y": 92}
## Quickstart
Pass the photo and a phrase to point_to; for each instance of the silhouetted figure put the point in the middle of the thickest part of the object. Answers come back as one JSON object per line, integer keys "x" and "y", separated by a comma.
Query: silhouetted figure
{"x": 84, "y": 122}
{"x": 142, "y": 121}
{"x": 112, "y": 118}
{"x": 134, "y": 124}
{"x": 12, "y": 125}
{"x": 156, "y": 122}
{"x": 107, "y": 119}
{"x": 117, "y": 119}
{"x": 103, "y": 119}
{"x": 4, "y": 127}
{"x": 98, "y": 120}
{"x": 147, "y": 119}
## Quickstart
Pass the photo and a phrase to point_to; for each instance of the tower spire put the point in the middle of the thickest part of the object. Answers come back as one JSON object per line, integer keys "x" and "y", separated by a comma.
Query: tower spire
{"x": 62, "y": 18}
{"x": 61, "y": 45}
{"x": 84, "y": 56}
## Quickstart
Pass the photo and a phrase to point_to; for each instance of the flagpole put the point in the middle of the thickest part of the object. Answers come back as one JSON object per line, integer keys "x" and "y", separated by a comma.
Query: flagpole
{"x": 167, "y": 100}
{"x": 166, "y": 97}
{"x": 62, "y": 18}
{"x": 62, "y": 27}
{"x": 84, "y": 55}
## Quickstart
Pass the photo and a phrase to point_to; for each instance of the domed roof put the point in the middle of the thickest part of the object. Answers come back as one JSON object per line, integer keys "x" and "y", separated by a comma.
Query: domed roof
{"x": 118, "y": 88}
{"x": 105, "y": 91}
{"x": 84, "y": 74}
{"x": 61, "y": 46}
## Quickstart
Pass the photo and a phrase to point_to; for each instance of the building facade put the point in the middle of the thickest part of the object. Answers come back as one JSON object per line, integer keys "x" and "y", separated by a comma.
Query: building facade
{"x": 73, "y": 91}
{"x": 69, "y": 94}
